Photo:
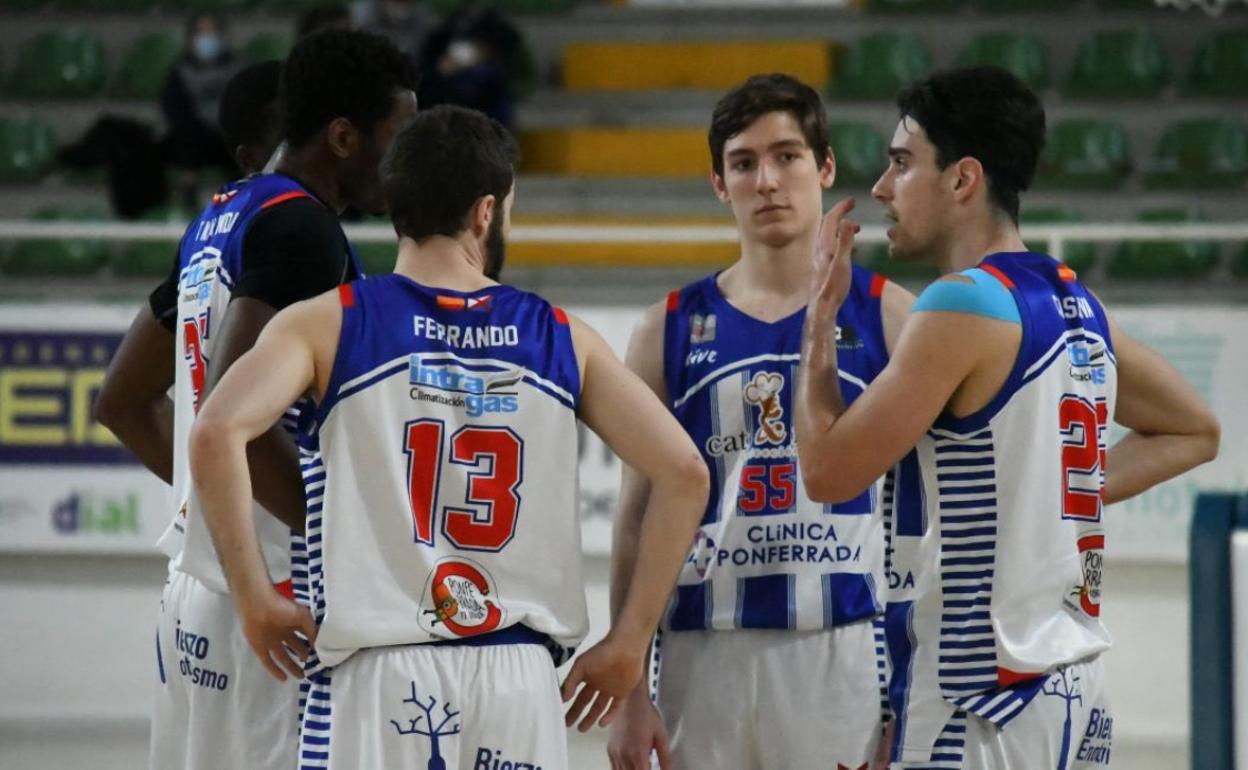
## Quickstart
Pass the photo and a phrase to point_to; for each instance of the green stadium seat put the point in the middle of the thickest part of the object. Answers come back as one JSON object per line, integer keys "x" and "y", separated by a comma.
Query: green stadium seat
{"x": 878, "y": 66}
{"x": 150, "y": 259}
{"x": 1203, "y": 153}
{"x": 1085, "y": 155}
{"x": 146, "y": 66}
{"x": 1127, "y": 5}
{"x": 1220, "y": 67}
{"x": 1119, "y": 64}
{"x": 377, "y": 257}
{"x": 57, "y": 257}
{"x": 536, "y": 6}
{"x": 267, "y": 46}
{"x": 1239, "y": 264}
{"x": 1079, "y": 256}
{"x": 861, "y": 154}
{"x": 915, "y": 6}
{"x": 27, "y": 150}
{"x": 1023, "y": 6}
{"x": 1022, "y": 54}
{"x": 59, "y": 65}
{"x": 1156, "y": 260}
{"x": 301, "y": 5}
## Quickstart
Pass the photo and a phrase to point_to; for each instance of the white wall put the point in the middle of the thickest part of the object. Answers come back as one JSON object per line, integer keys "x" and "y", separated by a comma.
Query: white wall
{"x": 78, "y": 662}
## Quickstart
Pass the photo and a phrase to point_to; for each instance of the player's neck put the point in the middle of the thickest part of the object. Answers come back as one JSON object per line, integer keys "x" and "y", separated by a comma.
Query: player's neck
{"x": 442, "y": 263}
{"x": 314, "y": 171}
{"x": 774, "y": 272}
{"x": 968, "y": 249}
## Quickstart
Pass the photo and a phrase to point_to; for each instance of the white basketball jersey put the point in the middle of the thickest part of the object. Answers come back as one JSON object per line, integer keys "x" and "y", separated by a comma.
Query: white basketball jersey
{"x": 446, "y": 497}
{"x": 995, "y": 522}
{"x": 211, "y": 260}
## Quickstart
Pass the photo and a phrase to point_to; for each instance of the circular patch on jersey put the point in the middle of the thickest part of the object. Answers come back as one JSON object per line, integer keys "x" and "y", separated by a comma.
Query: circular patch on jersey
{"x": 1091, "y": 553}
{"x": 460, "y": 599}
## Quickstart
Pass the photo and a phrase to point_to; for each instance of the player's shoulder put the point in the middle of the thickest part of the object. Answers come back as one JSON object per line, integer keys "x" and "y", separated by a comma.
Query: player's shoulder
{"x": 975, "y": 292}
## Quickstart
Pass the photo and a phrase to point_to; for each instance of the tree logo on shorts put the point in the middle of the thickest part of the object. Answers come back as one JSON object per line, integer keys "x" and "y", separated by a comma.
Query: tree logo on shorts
{"x": 463, "y": 599}
{"x": 430, "y": 730}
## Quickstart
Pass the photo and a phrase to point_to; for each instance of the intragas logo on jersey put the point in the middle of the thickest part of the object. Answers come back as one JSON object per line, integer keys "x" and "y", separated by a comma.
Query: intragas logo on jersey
{"x": 451, "y": 385}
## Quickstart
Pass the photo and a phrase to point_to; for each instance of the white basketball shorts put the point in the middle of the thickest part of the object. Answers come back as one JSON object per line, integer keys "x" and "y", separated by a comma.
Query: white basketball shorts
{"x": 1067, "y": 726}
{"x": 455, "y": 707}
{"x": 216, "y": 707}
{"x": 770, "y": 700}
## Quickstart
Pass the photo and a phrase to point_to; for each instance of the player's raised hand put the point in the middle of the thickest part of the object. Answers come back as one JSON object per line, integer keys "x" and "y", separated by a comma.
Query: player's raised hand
{"x": 605, "y": 674}
{"x": 272, "y": 625}
{"x": 831, "y": 275}
{"x": 636, "y": 732}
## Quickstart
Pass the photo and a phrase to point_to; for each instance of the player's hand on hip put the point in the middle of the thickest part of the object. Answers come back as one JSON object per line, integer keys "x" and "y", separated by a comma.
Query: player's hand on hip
{"x": 636, "y": 732}
{"x": 279, "y": 632}
{"x": 830, "y": 275}
{"x": 605, "y": 674}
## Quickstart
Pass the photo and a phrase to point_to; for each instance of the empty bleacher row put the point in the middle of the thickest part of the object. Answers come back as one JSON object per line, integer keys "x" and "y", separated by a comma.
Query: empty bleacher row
{"x": 1140, "y": 128}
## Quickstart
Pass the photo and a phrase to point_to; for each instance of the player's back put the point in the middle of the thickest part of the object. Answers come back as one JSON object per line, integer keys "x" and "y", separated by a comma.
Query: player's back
{"x": 766, "y": 556}
{"x": 996, "y": 519}
{"x": 211, "y": 262}
{"x": 448, "y": 486}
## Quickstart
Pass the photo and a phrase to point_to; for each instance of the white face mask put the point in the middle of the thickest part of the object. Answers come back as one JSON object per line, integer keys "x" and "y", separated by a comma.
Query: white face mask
{"x": 206, "y": 46}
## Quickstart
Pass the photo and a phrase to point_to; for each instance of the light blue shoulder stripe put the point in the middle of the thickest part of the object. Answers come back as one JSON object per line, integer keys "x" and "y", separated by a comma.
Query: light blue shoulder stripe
{"x": 986, "y": 297}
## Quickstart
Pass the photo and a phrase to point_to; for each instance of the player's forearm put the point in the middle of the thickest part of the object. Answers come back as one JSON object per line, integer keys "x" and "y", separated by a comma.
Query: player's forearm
{"x": 273, "y": 458}
{"x": 672, "y": 515}
{"x": 1139, "y": 462}
{"x": 818, "y": 403}
{"x": 146, "y": 430}
{"x": 625, "y": 542}
{"x": 219, "y": 467}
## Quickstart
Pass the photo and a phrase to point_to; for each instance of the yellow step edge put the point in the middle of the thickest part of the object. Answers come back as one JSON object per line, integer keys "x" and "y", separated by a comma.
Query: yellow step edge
{"x": 633, "y": 66}
{"x": 673, "y": 153}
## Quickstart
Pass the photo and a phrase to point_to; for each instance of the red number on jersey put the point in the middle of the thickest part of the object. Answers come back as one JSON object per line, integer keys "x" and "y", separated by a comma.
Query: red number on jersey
{"x": 1083, "y": 457}
{"x": 193, "y": 353}
{"x": 489, "y": 522}
{"x": 767, "y": 487}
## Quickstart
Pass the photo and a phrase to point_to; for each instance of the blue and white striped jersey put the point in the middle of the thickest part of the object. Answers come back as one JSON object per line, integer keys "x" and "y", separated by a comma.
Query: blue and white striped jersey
{"x": 994, "y": 522}
{"x": 765, "y": 555}
{"x": 211, "y": 261}
{"x": 442, "y": 472}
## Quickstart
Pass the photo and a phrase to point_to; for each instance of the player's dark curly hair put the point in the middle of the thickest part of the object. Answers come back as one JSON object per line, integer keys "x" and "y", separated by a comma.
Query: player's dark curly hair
{"x": 440, "y": 165}
{"x": 984, "y": 113}
{"x": 340, "y": 73}
{"x": 756, "y": 97}
{"x": 248, "y": 109}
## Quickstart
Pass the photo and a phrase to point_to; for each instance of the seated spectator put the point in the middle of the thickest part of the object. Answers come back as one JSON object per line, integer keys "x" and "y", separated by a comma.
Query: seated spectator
{"x": 190, "y": 101}
{"x": 466, "y": 61}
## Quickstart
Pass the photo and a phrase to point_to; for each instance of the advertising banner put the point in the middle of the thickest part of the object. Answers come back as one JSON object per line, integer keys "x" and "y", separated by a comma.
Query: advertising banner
{"x": 67, "y": 484}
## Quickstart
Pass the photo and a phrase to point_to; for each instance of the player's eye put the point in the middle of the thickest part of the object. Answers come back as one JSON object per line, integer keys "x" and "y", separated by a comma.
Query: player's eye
{"x": 742, "y": 165}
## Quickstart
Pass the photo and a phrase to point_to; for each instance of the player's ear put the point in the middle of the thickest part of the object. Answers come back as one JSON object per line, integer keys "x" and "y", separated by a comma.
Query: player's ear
{"x": 827, "y": 171}
{"x": 717, "y": 184}
{"x": 342, "y": 137}
{"x": 967, "y": 178}
{"x": 482, "y": 213}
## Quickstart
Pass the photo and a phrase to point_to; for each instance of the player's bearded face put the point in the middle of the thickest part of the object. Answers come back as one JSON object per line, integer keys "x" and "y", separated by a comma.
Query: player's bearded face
{"x": 913, "y": 196}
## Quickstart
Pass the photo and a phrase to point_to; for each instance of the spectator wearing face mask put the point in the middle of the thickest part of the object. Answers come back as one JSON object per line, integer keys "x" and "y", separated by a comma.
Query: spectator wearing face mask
{"x": 190, "y": 101}
{"x": 467, "y": 60}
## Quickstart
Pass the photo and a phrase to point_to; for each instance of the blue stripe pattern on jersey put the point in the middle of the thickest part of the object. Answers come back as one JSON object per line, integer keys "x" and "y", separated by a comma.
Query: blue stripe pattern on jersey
{"x": 317, "y": 723}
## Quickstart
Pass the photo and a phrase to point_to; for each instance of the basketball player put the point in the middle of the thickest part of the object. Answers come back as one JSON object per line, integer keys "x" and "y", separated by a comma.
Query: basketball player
{"x": 445, "y": 550}
{"x": 262, "y": 243}
{"x": 1004, "y": 381}
{"x": 767, "y": 655}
